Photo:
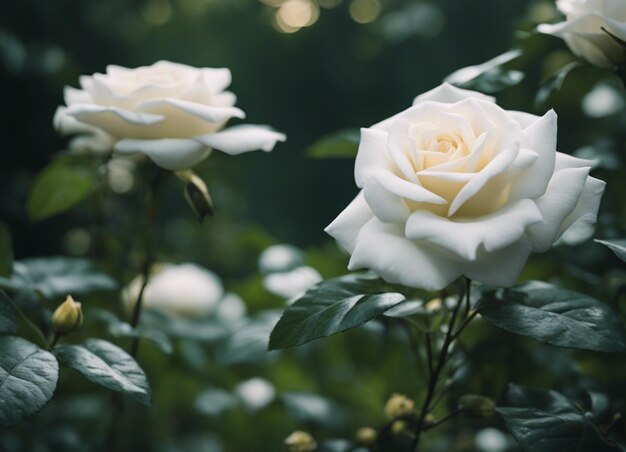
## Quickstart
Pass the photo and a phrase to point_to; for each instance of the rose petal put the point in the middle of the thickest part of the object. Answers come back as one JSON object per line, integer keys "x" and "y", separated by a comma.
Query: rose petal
{"x": 387, "y": 206}
{"x": 171, "y": 153}
{"x": 496, "y": 166}
{"x": 449, "y": 94}
{"x": 242, "y": 138}
{"x": 539, "y": 137}
{"x": 372, "y": 153}
{"x": 464, "y": 239}
{"x": 172, "y": 108}
{"x": 116, "y": 121}
{"x": 384, "y": 249}
{"x": 580, "y": 224}
{"x": 561, "y": 198}
{"x": 500, "y": 268}
{"x": 347, "y": 225}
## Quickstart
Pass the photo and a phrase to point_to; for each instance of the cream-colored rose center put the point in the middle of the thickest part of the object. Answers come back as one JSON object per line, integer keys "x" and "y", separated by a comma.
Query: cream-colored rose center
{"x": 444, "y": 159}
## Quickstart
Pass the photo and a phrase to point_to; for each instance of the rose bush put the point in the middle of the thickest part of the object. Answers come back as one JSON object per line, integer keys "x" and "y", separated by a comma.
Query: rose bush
{"x": 170, "y": 112}
{"x": 587, "y": 27}
{"x": 456, "y": 185}
{"x": 183, "y": 289}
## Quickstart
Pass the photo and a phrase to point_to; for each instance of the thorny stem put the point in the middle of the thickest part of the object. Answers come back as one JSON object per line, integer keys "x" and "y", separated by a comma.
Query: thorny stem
{"x": 451, "y": 335}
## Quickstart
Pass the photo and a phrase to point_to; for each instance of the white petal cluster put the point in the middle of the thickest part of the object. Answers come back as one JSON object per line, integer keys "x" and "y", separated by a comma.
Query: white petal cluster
{"x": 590, "y": 29}
{"x": 172, "y": 113}
{"x": 456, "y": 185}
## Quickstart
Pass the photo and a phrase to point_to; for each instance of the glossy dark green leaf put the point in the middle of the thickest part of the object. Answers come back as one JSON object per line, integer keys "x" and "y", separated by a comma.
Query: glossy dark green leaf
{"x": 107, "y": 365}
{"x": 333, "y": 306}
{"x": 28, "y": 378}
{"x": 8, "y": 323}
{"x": 618, "y": 246}
{"x": 546, "y": 421}
{"x": 57, "y": 277}
{"x": 559, "y": 317}
{"x": 59, "y": 187}
{"x": 340, "y": 144}
{"x": 6, "y": 252}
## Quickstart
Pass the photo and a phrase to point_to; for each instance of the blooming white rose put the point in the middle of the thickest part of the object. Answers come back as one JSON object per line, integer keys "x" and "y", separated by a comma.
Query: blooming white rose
{"x": 583, "y": 30}
{"x": 455, "y": 185}
{"x": 184, "y": 289}
{"x": 170, "y": 112}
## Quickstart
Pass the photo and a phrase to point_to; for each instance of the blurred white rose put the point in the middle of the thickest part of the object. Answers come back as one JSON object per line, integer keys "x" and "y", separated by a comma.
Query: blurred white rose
{"x": 277, "y": 258}
{"x": 292, "y": 283}
{"x": 231, "y": 308}
{"x": 184, "y": 289}
{"x": 585, "y": 29}
{"x": 170, "y": 112}
{"x": 255, "y": 393}
{"x": 456, "y": 185}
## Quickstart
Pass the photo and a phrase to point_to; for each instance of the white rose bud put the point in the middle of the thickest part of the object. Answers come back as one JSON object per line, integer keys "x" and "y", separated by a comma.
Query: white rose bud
{"x": 68, "y": 317}
{"x": 366, "y": 436}
{"x": 457, "y": 186}
{"x": 196, "y": 194}
{"x": 185, "y": 290}
{"x": 172, "y": 113}
{"x": 398, "y": 405}
{"x": 593, "y": 29}
{"x": 300, "y": 441}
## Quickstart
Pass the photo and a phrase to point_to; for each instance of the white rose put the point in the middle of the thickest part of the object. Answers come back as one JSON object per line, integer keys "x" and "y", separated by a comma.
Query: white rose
{"x": 583, "y": 30}
{"x": 184, "y": 289}
{"x": 292, "y": 283}
{"x": 455, "y": 185}
{"x": 170, "y": 112}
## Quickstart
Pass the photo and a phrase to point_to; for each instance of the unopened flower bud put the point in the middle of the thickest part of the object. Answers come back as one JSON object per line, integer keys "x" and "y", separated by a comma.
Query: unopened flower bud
{"x": 398, "y": 405}
{"x": 68, "y": 316}
{"x": 196, "y": 194}
{"x": 300, "y": 441}
{"x": 429, "y": 419}
{"x": 398, "y": 427}
{"x": 366, "y": 436}
{"x": 477, "y": 406}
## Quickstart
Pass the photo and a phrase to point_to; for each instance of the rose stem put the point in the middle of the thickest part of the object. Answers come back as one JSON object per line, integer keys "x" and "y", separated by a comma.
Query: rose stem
{"x": 441, "y": 361}
{"x": 151, "y": 211}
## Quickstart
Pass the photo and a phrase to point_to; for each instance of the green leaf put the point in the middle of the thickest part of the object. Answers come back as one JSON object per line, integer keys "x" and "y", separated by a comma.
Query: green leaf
{"x": 340, "y": 144}
{"x": 119, "y": 328}
{"x": 248, "y": 344}
{"x": 559, "y": 317}
{"x": 6, "y": 252}
{"x": 107, "y": 365}
{"x": 215, "y": 402}
{"x": 488, "y": 77}
{"x": 555, "y": 83}
{"x": 59, "y": 187}
{"x": 57, "y": 277}
{"x": 617, "y": 246}
{"x": 7, "y": 315}
{"x": 310, "y": 408}
{"x": 28, "y": 378}
{"x": 546, "y": 421}
{"x": 333, "y": 306}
